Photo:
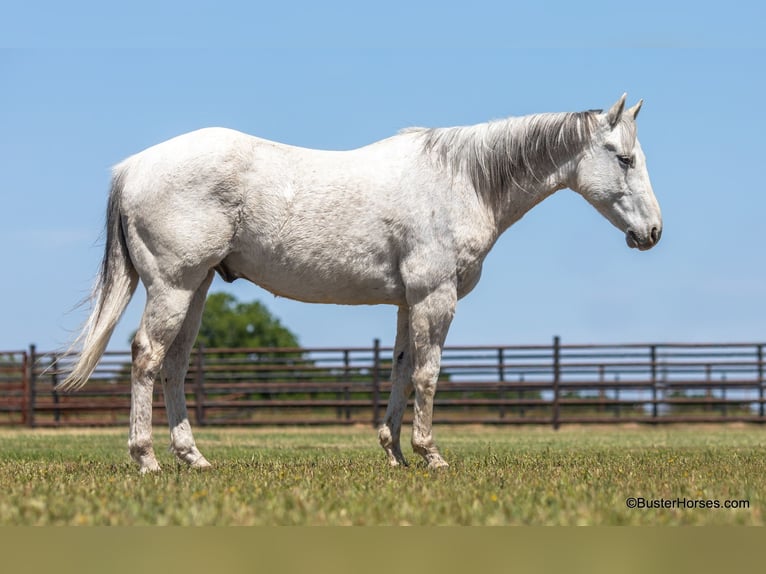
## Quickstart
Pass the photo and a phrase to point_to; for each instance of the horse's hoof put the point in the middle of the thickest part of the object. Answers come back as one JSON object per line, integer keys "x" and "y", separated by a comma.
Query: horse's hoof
{"x": 394, "y": 462}
{"x": 201, "y": 464}
{"x": 150, "y": 467}
{"x": 437, "y": 462}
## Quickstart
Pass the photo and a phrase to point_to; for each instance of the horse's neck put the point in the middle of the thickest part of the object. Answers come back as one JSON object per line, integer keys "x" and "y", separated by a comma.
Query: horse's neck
{"x": 521, "y": 198}
{"x": 512, "y": 164}
{"x": 518, "y": 162}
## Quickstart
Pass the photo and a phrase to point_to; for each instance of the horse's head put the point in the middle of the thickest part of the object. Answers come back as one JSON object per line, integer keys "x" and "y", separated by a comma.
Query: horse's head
{"x": 611, "y": 174}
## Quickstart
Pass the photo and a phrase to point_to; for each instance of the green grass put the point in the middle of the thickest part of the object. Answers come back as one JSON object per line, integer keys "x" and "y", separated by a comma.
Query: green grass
{"x": 338, "y": 476}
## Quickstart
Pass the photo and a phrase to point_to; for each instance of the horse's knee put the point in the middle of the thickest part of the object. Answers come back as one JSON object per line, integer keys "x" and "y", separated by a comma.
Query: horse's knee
{"x": 424, "y": 381}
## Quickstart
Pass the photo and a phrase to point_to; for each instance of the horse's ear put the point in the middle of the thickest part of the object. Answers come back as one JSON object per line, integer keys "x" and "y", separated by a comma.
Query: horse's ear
{"x": 615, "y": 112}
{"x": 635, "y": 109}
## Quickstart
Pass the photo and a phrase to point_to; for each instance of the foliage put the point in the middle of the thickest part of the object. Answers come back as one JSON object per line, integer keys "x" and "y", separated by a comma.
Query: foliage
{"x": 702, "y": 402}
{"x": 9, "y": 361}
{"x": 229, "y": 323}
{"x": 336, "y": 476}
{"x": 226, "y": 322}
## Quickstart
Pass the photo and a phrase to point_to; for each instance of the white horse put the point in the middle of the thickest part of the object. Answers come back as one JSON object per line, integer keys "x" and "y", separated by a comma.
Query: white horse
{"x": 405, "y": 221}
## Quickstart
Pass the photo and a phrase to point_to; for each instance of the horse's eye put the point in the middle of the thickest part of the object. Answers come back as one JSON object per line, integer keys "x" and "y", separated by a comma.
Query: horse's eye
{"x": 627, "y": 160}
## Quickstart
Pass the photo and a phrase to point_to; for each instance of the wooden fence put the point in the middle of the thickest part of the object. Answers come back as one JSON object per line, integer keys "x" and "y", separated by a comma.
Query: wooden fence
{"x": 530, "y": 384}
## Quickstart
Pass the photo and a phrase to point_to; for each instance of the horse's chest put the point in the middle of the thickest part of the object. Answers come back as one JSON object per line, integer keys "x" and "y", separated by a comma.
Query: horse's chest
{"x": 468, "y": 276}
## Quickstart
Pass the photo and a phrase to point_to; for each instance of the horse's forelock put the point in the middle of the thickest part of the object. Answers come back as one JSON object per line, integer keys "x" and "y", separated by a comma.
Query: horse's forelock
{"x": 629, "y": 132}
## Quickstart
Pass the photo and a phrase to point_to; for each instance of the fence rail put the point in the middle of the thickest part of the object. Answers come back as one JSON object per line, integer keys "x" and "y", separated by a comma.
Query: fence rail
{"x": 529, "y": 384}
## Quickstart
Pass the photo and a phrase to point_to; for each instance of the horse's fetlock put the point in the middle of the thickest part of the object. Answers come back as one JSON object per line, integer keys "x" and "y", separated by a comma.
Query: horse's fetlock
{"x": 385, "y": 437}
{"x": 422, "y": 445}
{"x": 140, "y": 445}
{"x": 183, "y": 446}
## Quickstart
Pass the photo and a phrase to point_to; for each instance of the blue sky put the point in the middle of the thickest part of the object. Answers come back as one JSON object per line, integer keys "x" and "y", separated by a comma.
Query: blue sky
{"x": 86, "y": 84}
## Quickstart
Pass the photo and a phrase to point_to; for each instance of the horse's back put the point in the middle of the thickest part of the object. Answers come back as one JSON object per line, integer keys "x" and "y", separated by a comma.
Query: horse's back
{"x": 315, "y": 225}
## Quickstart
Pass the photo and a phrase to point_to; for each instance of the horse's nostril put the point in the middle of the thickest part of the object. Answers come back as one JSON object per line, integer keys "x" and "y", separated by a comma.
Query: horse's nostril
{"x": 655, "y": 234}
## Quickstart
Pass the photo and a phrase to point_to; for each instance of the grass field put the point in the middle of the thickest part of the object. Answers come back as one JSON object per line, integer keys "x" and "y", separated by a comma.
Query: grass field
{"x": 338, "y": 476}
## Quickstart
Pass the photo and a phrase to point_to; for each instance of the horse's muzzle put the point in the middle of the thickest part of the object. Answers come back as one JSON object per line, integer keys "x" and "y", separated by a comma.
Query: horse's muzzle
{"x": 642, "y": 242}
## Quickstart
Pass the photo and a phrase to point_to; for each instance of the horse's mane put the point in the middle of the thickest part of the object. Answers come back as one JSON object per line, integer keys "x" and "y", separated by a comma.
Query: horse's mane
{"x": 500, "y": 155}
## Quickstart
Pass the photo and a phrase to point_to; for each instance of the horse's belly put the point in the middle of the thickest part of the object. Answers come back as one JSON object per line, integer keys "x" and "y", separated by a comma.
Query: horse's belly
{"x": 319, "y": 281}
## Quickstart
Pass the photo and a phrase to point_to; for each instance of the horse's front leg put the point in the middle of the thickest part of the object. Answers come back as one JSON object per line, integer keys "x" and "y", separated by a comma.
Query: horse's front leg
{"x": 401, "y": 389}
{"x": 430, "y": 319}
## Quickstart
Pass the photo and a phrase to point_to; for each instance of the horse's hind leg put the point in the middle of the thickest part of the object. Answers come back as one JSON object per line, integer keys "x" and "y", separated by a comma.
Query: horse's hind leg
{"x": 164, "y": 314}
{"x": 401, "y": 389}
{"x": 173, "y": 376}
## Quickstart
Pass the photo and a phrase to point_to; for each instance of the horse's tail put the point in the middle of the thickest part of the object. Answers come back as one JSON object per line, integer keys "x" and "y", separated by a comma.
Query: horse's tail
{"x": 114, "y": 287}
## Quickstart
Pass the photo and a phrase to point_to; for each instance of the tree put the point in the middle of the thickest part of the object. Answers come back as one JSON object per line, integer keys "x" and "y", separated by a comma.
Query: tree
{"x": 227, "y": 322}
{"x": 235, "y": 329}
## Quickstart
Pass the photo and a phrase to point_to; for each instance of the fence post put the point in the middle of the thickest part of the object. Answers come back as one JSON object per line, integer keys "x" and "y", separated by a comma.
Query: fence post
{"x": 347, "y": 378}
{"x": 375, "y": 382}
{"x": 522, "y": 410}
{"x": 761, "y": 382}
{"x": 601, "y": 388}
{"x": 501, "y": 377}
{"x": 32, "y": 380}
{"x": 199, "y": 386}
{"x": 54, "y": 384}
{"x": 556, "y": 380}
{"x": 24, "y": 387}
{"x": 653, "y": 370}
